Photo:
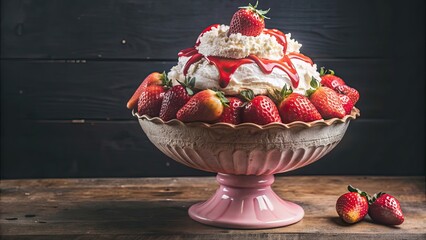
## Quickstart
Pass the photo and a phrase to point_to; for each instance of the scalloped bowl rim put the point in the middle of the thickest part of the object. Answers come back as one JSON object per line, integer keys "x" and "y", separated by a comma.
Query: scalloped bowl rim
{"x": 354, "y": 114}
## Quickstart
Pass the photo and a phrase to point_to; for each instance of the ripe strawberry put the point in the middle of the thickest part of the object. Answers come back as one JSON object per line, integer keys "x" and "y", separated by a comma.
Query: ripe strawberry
{"x": 150, "y": 100}
{"x": 260, "y": 109}
{"x": 352, "y": 93}
{"x": 326, "y": 101}
{"x": 352, "y": 206}
{"x": 294, "y": 107}
{"x": 232, "y": 113}
{"x": 175, "y": 98}
{"x": 248, "y": 21}
{"x": 330, "y": 80}
{"x": 346, "y": 103}
{"x": 205, "y": 106}
{"x": 152, "y": 95}
{"x": 154, "y": 78}
{"x": 385, "y": 209}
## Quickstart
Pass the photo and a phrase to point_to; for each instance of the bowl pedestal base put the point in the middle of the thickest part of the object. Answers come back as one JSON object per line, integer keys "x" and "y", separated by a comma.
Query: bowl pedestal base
{"x": 246, "y": 202}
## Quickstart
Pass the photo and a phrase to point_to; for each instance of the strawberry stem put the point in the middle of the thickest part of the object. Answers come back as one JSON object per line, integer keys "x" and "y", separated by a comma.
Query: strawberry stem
{"x": 188, "y": 84}
{"x": 324, "y": 71}
{"x": 222, "y": 98}
{"x": 362, "y": 193}
{"x": 259, "y": 12}
{"x": 278, "y": 96}
{"x": 247, "y": 95}
{"x": 372, "y": 199}
{"x": 314, "y": 86}
{"x": 165, "y": 81}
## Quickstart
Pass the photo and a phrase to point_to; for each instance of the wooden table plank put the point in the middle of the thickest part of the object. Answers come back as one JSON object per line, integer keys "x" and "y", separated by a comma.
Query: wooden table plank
{"x": 148, "y": 29}
{"x": 156, "y": 208}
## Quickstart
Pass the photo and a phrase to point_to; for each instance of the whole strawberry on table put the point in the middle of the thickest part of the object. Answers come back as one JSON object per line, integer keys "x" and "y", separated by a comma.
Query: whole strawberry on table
{"x": 383, "y": 208}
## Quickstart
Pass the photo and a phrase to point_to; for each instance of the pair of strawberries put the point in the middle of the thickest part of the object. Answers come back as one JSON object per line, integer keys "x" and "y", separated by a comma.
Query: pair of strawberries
{"x": 383, "y": 208}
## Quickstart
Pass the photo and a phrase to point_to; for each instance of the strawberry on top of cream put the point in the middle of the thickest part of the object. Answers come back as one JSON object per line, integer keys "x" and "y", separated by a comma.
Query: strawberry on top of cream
{"x": 215, "y": 43}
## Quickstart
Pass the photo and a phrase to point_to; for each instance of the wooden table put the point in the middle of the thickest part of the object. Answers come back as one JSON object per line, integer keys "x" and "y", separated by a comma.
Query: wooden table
{"x": 156, "y": 208}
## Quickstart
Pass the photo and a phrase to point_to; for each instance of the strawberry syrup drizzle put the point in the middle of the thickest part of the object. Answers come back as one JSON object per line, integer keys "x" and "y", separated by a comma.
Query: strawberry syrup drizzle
{"x": 227, "y": 66}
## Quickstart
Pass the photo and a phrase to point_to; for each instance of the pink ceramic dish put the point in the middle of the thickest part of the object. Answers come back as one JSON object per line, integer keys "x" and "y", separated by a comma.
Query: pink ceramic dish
{"x": 246, "y": 156}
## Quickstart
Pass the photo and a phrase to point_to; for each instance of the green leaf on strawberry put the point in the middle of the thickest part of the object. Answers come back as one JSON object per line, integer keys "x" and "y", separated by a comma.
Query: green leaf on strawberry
{"x": 222, "y": 98}
{"x": 261, "y": 13}
{"x": 188, "y": 84}
{"x": 324, "y": 71}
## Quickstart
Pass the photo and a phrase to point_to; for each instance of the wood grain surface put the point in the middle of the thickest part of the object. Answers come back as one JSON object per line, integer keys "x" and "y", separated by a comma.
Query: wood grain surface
{"x": 156, "y": 208}
{"x": 68, "y": 68}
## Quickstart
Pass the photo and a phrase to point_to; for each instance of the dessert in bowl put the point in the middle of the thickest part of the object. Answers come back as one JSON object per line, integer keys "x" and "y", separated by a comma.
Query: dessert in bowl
{"x": 246, "y": 104}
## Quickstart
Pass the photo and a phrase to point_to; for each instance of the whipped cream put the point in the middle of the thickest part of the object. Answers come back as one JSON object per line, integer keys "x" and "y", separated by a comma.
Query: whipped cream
{"x": 248, "y": 76}
{"x": 292, "y": 45}
{"x": 216, "y": 43}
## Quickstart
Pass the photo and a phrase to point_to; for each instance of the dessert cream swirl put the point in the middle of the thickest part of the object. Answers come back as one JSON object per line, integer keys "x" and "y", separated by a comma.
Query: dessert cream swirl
{"x": 216, "y": 43}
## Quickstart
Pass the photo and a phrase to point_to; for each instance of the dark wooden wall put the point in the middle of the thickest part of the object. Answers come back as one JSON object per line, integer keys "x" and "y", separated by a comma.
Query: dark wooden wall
{"x": 68, "y": 68}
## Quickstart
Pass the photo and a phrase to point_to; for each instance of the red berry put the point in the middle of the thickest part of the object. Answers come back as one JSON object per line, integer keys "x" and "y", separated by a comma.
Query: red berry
{"x": 151, "y": 95}
{"x": 150, "y": 100}
{"x": 260, "y": 109}
{"x": 154, "y": 78}
{"x": 352, "y": 93}
{"x": 352, "y": 206}
{"x": 346, "y": 103}
{"x": 205, "y": 106}
{"x": 386, "y": 209}
{"x": 297, "y": 107}
{"x": 248, "y": 21}
{"x": 232, "y": 113}
{"x": 328, "y": 79}
{"x": 327, "y": 103}
{"x": 175, "y": 98}
{"x": 293, "y": 106}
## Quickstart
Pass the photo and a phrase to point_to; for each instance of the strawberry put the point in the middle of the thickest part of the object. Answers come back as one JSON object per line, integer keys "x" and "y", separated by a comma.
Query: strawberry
{"x": 385, "y": 209}
{"x": 326, "y": 101}
{"x": 352, "y": 206}
{"x": 260, "y": 109}
{"x": 154, "y": 78}
{"x": 330, "y": 80}
{"x": 248, "y": 21}
{"x": 346, "y": 103}
{"x": 232, "y": 113}
{"x": 352, "y": 93}
{"x": 205, "y": 106}
{"x": 152, "y": 95}
{"x": 175, "y": 98}
{"x": 294, "y": 107}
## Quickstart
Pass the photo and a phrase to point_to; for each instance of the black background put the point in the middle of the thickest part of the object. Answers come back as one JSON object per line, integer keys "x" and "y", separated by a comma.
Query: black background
{"x": 69, "y": 67}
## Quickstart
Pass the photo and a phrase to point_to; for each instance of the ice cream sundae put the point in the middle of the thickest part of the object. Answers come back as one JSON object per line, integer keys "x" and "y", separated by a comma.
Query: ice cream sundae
{"x": 245, "y": 103}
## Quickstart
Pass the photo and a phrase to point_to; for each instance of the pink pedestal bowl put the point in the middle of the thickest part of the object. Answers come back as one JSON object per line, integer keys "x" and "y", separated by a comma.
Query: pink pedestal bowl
{"x": 246, "y": 156}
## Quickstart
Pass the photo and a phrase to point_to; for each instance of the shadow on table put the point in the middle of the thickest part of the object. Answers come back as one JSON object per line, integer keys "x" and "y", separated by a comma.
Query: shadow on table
{"x": 338, "y": 221}
{"x": 132, "y": 217}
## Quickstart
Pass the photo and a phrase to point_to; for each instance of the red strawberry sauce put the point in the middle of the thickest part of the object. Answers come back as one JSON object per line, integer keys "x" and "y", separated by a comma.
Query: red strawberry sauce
{"x": 227, "y": 66}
